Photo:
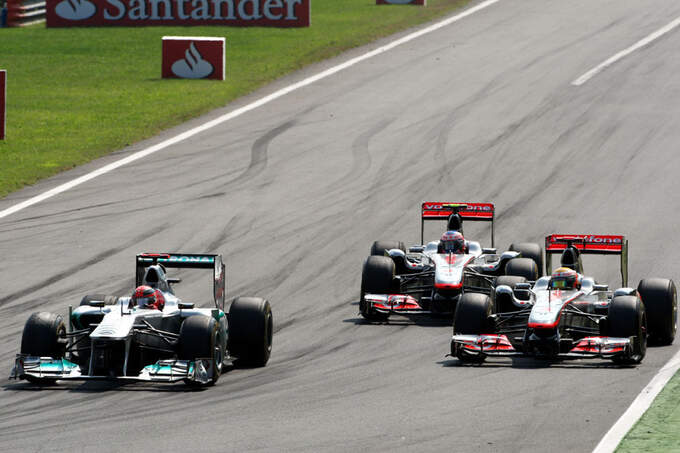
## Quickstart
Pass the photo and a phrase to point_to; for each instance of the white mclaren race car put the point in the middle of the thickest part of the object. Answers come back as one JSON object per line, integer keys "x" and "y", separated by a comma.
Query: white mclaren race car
{"x": 149, "y": 336}
{"x": 430, "y": 278}
{"x": 566, "y": 314}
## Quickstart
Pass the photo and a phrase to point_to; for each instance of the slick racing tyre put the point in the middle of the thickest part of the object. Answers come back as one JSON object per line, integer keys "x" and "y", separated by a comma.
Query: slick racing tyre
{"x": 627, "y": 318}
{"x": 108, "y": 300}
{"x": 471, "y": 318}
{"x": 199, "y": 338}
{"x": 377, "y": 277}
{"x": 530, "y": 250}
{"x": 661, "y": 304}
{"x": 251, "y": 327}
{"x": 504, "y": 302}
{"x": 44, "y": 336}
{"x": 522, "y": 267}
{"x": 380, "y": 247}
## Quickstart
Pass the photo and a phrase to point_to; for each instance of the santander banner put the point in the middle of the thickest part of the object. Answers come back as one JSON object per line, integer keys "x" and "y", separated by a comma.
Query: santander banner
{"x": 3, "y": 98}
{"x": 400, "y": 2}
{"x": 193, "y": 58}
{"x": 135, "y": 13}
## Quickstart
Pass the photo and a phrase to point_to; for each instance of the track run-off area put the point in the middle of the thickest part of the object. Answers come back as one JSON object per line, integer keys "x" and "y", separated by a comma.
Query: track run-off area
{"x": 293, "y": 192}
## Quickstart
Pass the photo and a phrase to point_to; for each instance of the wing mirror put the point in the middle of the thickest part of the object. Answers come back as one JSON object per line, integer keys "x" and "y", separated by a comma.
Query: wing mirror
{"x": 396, "y": 253}
{"x": 416, "y": 249}
{"x": 174, "y": 280}
{"x": 489, "y": 251}
{"x": 185, "y": 305}
{"x": 97, "y": 303}
{"x": 523, "y": 291}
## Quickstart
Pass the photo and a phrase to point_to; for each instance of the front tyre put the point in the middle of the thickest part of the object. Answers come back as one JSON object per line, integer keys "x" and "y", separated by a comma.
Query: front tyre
{"x": 199, "y": 338}
{"x": 44, "y": 336}
{"x": 377, "y": 277}
{"x": 661, "y": 304}
{"x": 627, "y": 318}
{"x": 251, "y": 327}
{"x": 471, "y": 318}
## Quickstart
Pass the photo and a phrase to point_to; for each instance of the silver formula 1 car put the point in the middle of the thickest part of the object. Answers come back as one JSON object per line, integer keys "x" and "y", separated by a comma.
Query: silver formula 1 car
{"x": 431, "y": 278}
{"x": 130, "y": 338}
{"x": 567, "y": 315}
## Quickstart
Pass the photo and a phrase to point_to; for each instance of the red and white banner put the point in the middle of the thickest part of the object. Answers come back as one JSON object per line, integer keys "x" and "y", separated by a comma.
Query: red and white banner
{"x": 401, "y": 2}
{"x": 136, "y": 13}
{"x": 186, "y": 57}
{"x": 3, "y": 100}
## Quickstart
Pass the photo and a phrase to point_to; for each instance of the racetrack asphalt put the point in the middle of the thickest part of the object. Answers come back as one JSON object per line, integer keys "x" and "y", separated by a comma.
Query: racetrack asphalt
{"x": 292, "y": 194}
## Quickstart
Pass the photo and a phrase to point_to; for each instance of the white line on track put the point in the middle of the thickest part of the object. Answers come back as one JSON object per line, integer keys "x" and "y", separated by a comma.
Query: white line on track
{"x": 624, "y": 53}
{"x": 616, "y": 433}
{"x": 238, "y": 112}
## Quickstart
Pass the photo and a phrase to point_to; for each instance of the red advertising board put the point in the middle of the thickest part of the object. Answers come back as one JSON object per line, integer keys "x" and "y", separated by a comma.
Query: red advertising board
{"x": 3, "y": 99}
{"x": 186, "y": 57}
{"x": 136, "y": 13}
{"x": 400, "y": 2}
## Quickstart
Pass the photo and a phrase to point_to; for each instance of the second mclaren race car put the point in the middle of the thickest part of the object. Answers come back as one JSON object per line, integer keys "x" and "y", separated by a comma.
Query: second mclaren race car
{"x": 430, "y": 278}
{"x": 567, "y": 314}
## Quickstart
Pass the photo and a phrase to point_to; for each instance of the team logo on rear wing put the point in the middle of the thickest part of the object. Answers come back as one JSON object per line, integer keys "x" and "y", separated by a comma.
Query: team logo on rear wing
{"x": 435, "y": 210}
{"x": 589, "y": 244}
{"x": 586, "y": 243}
{"x": 441, "y": 210}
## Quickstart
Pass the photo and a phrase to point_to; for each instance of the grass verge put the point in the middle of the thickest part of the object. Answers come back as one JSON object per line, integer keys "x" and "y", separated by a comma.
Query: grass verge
{"x": 659, "y": 428}
{"x": 75, "y": 94}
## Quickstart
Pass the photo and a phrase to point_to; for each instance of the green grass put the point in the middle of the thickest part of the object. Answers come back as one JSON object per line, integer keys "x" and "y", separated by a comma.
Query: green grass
{"x": 75, "y": 94}
{"x": 659, "y": 428}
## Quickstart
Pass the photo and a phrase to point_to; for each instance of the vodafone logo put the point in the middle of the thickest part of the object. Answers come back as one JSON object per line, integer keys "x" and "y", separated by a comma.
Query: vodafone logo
{"x": 192, "y": 66}
{"x": 75, "y": 9}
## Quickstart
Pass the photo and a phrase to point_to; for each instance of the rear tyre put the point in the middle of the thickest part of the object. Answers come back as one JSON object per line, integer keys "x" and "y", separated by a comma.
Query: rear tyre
{"x": 251, "y": 328}
{"x": 471, "y": 318}
{"x": 108, "y": 300}
{"x": 199, "y": 338}
{"x": 380, "y": 247}
{"x": 377, "y": 278}
{"x": 522, "y": 267}
{"x": 661, "y": 305}
{"x": 44, "y": 336}
{"x": 530, "y": 250}
{"x": 627, "y": 318}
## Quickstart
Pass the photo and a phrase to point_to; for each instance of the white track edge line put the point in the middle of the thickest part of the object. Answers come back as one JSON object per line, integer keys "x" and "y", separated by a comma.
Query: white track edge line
{"x": 624, "y": 53}
{"x": 240, "y": 111}
{"x": 639, "y": 406}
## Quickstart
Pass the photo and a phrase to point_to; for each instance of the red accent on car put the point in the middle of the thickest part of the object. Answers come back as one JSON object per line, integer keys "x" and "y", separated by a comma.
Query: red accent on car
{"x": 592, "y": 242}
{"x": 448, "y": 285}
{"x": 438, "y": 209}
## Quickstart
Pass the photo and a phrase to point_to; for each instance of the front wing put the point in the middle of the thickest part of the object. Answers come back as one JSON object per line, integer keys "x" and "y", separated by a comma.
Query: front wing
{"x": 500, "y": 345}
{"x": 402, "y": 304}
{"x": 200, "y": 370}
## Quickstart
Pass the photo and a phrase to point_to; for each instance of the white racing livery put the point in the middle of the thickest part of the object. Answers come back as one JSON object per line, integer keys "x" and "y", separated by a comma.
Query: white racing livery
{"x": 431, "y": 278}
{"x": 567, "y": 315}
{"x": 151, "y": 336}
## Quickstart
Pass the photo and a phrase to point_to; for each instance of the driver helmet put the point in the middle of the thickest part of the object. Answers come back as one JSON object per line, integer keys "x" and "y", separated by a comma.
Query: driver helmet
{"x": 147, "y": 297}
{"x": 452, "y": 242}
{"x": 565, "y": 278}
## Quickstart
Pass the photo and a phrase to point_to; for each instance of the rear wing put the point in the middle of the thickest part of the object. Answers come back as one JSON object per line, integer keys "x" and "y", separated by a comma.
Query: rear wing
{"x": 186, "y": 260}
{"x": 437, "y": 210}
{"x": 588, "y": 244}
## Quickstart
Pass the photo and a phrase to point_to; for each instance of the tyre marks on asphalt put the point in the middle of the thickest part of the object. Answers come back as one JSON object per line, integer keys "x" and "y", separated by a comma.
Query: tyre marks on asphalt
{"x": 106, "y": 254}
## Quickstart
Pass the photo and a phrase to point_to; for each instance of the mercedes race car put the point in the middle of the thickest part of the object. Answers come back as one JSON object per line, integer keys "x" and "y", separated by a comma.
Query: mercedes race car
{"x": 431, "y": 278}
{"x": 567, "y": 315}
{"x": 149, "y": 336}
